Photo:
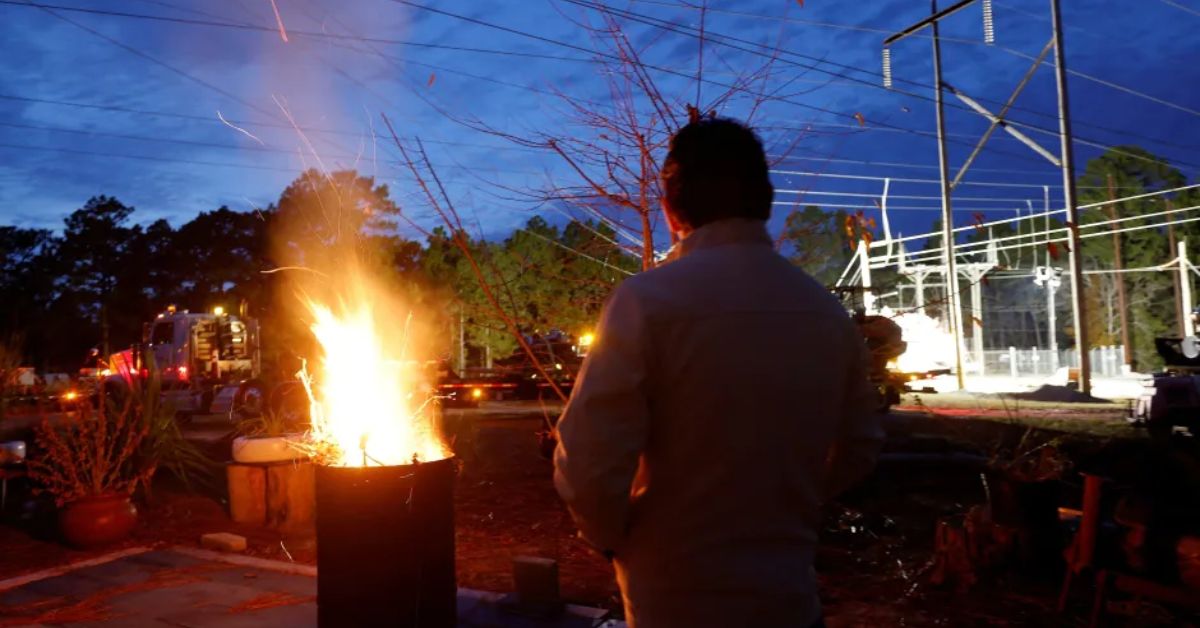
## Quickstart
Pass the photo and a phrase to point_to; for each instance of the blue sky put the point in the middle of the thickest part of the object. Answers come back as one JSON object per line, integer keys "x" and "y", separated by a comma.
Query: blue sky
{"x": 84, "y": 110}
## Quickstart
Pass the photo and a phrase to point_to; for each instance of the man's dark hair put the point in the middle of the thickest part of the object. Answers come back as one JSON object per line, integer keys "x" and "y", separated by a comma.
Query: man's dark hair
{"x": 716, "y": 168}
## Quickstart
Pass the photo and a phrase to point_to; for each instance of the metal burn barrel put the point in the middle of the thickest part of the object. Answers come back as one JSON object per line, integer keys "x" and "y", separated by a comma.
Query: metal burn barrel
{"x": 385, "y": 545}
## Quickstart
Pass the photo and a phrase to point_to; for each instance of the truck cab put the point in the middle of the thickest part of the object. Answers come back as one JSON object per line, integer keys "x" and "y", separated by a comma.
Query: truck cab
{"x": 196, "y": 349}
{"x": 206, "y": 362}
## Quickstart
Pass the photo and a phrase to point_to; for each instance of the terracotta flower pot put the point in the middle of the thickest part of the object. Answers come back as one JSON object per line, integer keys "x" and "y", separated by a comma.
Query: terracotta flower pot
{"x": 94, "y": 521}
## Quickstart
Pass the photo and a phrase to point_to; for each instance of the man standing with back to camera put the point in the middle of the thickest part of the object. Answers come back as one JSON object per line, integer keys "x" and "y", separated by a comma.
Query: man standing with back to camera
{"x": 725, "y": 398}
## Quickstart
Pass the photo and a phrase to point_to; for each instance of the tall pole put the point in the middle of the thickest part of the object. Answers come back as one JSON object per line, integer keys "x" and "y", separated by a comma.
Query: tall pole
{"x": 1046, "y": 211}
{"x": 1118, "y": 265}
{"x": 1053, "y": 321}
{"x": 952, "y": 293}
{"x": 977, "y": 319}
{"x": 1185, "y": 280}
{"x": 919, "y": 280}
{"x": 1068, "y": 173}
{"x": 1051, "y": 312}
{"x": 864, "y": 260}
{"x": 1180, "y": 315}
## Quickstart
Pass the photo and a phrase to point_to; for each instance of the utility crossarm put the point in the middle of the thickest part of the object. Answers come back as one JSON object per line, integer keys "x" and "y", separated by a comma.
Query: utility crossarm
{"x": 998, "y": 121}
{"x": 929, "y": 21}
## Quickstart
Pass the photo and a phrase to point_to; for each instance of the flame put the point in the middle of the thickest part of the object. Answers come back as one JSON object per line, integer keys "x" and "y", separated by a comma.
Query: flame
{"x": 369, "y": 406}
{"x": 930, "y": 347}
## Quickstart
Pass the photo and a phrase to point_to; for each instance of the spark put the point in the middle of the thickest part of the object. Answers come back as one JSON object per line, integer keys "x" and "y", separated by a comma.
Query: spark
{"x": 272, "y": 271}
{"x": 238, "y": 128}
{"x": 254, "y": 207}
{"x": 304, "y": 138}
{"x": 279, "y": 21}
{"x": 374, "y": 151}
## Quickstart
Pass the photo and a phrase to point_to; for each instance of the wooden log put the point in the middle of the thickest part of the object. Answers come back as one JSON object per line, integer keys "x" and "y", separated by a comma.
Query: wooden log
{"x": 247, "y": 492}
{"x": 291, "y": 498}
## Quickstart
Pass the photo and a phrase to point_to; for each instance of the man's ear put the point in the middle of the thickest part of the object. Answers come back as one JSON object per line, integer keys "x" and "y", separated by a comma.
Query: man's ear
{"x": 677, "y": 225}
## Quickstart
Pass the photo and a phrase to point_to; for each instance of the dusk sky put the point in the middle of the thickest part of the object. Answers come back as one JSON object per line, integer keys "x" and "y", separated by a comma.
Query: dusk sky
{"x": 110, "y": 100}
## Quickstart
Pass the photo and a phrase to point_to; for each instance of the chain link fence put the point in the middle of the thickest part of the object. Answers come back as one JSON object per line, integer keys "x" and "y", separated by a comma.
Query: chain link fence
{"x": 1014, "y": 362}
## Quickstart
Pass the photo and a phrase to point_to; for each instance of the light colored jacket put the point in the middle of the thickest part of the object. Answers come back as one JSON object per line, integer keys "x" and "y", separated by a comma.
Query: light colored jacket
{"x": 724, "y": 399}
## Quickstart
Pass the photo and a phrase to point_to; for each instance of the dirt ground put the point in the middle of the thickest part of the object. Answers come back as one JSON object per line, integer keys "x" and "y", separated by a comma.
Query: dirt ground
{"x": 873, "y": 561}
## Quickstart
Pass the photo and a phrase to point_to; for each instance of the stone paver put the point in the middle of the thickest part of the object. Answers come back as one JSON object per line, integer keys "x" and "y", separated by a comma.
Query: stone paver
{"x": 169, "y": 588}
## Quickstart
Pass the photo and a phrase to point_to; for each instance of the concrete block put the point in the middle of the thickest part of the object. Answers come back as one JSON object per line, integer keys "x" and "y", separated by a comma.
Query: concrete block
{"x": 537, "y": 581}
{"x": 224, "y": 542}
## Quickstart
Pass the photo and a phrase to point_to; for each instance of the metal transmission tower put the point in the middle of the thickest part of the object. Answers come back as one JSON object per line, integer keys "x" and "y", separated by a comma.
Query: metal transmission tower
{"x": 1065, "y": 161}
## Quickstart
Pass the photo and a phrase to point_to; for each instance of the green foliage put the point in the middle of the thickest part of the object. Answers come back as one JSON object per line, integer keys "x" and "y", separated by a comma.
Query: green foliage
{"x": 818, "y": 243}
{"x": 164, "y": 446}
{"x": 1150, "y": 295}
{"x": 269, "y": 423}
{"x": 544, "y": 277}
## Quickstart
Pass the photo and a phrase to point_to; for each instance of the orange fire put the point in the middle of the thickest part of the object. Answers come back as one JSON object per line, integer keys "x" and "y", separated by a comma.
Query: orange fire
{"x": 369, "y": 405}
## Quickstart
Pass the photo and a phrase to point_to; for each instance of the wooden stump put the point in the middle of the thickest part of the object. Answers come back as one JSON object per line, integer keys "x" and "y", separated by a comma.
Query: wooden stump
{"x": 247, "y": 492}
{"x": 290, "y": 495}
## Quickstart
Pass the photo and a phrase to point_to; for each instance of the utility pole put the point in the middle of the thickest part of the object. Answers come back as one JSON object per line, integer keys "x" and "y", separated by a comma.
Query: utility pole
{"x": 1118, "y": 266}
{"x": 1179, "y": 313}
{"x": 1052, "y": 283}
{"x": 952, "y": 293}
{"x": 1185, "y": 280}
{"x": 1050, "y": 278}
{"x": 864, "y": 259}
{"x": 953, "y": 305}
{"x": 1068, "y": 174}
{"x": 1051, "y": 287}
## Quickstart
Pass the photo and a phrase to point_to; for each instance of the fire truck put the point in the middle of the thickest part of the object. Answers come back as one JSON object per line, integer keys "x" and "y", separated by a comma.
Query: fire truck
{"x": 207, "y": 363}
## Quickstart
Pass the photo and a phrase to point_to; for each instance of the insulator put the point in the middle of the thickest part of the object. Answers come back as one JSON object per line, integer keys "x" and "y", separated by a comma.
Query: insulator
{"x": 989, "y": 25}
{"x": 887, "y": 68}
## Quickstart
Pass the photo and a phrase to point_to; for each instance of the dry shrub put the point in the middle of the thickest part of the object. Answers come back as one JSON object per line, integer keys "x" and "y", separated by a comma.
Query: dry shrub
{"x": 95, "y": 453}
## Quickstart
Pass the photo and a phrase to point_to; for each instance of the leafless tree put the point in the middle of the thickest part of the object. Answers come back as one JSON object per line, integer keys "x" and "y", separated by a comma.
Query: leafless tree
{"x": 613, "y": 151}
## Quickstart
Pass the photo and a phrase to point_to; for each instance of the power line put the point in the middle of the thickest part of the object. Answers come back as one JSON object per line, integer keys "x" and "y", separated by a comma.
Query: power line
{"x": 325, "y": 35}
{"x": 1172, "y": 3}
{"x": 193, "y": 162}
{"x": 312, "y": 129}
{"x": 657, "y": 68}
{"x": 1047, "y": 232}
{"x": 892, "y": 164}
{"x": 145, "y": 56}
{"x": 214, "y": 120}
{"x": 579, "y": 253}
{"x": 821, "y": 204}
{"x": 907, "y": 197}
{"x": 154, "y": 59}
{"x": 982, "y": 246}
{"x": 718, "y": 39}
{"x": 1021, "y": 245}
{"x": 909, "y": 180}
{"x": 1112, "y": 85}
{"x": 302, "y": 33}
{"x": 1134, "y": 197}
{"x": 190, "y": 162}
{"x": 973, "y": 42}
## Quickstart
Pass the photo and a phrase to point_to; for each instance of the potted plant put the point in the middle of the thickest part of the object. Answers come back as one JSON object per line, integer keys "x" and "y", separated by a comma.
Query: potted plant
{"x": 90, "y": 465}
